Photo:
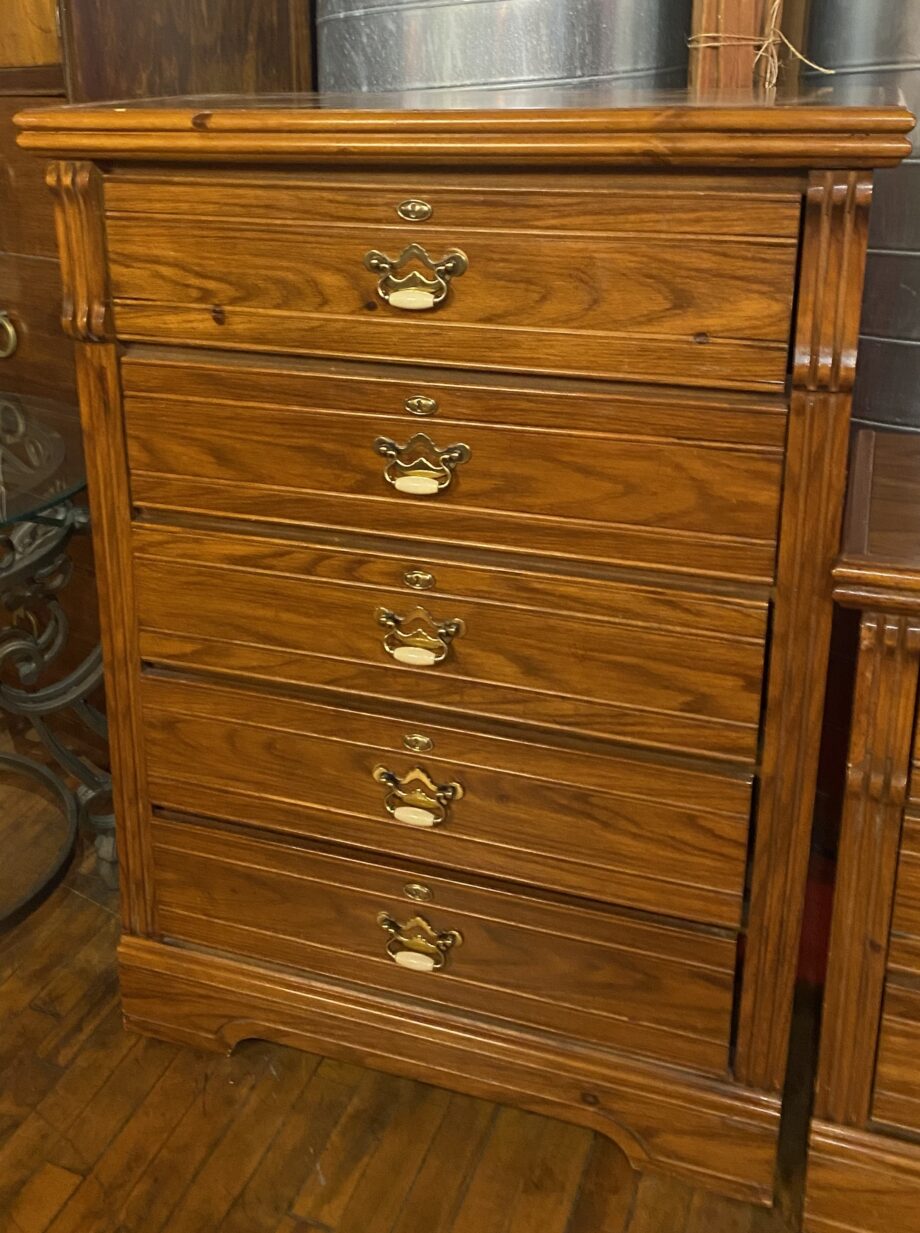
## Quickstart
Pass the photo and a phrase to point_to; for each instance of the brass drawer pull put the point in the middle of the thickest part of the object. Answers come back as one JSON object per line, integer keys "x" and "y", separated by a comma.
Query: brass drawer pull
{"x": 417, "y": 638}
{"x": 420, "y": 467}
{"x": 416, "y": 799}
{"x": 415, "y": 291}
{"x": 416, "y": 944}
{"x": 9, "y": 339}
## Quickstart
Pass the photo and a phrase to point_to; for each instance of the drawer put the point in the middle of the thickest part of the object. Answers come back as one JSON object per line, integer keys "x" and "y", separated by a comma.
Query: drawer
{"x": 904, "y": 951}
{"x": 665, "y": 838}
{"x": 597, "y": 976}
{"x": 640, "y": 664}
{"x": 43, "y": 363}
{"x": 896, "y": 1099}
{"x": 609, "y": 279}
{"x": 577, "y": 469}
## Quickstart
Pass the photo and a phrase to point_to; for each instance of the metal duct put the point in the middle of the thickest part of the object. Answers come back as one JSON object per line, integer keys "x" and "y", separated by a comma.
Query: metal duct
{"x": 381, "y": 45}
{"x": 877, "y": 43}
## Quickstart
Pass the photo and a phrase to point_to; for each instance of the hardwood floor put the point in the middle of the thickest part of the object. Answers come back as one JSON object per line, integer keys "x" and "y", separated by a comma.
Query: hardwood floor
{"x": 105, "y": 1132}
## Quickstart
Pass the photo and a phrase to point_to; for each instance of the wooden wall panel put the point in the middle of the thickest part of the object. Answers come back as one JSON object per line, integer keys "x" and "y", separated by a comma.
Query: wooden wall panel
{"x": 28, "y": 33}
{"x": 136, "y": 48}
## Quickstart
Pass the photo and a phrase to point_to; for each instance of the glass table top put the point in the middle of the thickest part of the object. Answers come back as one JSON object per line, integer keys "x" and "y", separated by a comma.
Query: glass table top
{"x": 41, "y": 455}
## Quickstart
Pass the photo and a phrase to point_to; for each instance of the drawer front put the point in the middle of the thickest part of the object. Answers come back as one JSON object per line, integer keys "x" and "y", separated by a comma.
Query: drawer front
{"x": 636, "y": 664}
{"x": 904, "y": 951}
{"x": 584, "y": 471}
{"x": 635, "y": 296}
{"x": 42, "y": 363}
{"x": 896, "y": 1100}
{"x": 645, "y": 834}
{"x": 596, "y": 976}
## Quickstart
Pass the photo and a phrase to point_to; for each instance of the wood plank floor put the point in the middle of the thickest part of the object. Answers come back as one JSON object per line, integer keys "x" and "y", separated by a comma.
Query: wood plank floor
{"x": 106, "y": 1132}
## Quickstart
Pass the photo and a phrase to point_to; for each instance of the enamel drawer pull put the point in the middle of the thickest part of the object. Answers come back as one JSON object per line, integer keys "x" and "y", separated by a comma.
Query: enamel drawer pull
{"x": 9, "y": 339}
{"x": 415, "y": 291}
{"x": 416, "y": 799}
{"x": 417, "y": 639}
{"x": 420, "y": 467}
{"x": 416, "y": 944}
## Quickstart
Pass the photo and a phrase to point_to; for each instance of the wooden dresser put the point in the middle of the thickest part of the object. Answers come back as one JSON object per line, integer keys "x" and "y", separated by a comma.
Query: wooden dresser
{"x": 864, "y": 1169}
{"x": 467, "y": 486}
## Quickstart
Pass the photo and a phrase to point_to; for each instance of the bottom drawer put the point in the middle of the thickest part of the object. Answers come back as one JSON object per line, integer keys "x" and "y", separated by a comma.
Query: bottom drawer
{"x": 896, "y": 1101}
{"x": 594, "y": 975}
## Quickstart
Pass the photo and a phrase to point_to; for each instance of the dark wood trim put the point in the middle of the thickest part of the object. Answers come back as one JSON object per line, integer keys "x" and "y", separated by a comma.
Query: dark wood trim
{"x": 40, "y": 79}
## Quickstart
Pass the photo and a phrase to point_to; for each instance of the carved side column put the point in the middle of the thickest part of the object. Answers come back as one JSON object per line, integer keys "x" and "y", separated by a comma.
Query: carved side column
{"x": 87, "y": 318}
{"x": 827, "y": 331}
{"x": 877, "y": 777}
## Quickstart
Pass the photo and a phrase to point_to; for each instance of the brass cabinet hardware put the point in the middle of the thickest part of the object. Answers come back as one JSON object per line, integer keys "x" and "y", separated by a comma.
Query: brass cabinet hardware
{"x": 420, "y": 405}
{"x": 420, "y": 467}
{"x": 419, "y": 579}
{"x": 415, "y": 798}
{"x": 418, "y": 743}
{"x": 415, "y": 291}
{"x": 417, "y": 944}
{"x": 9, "y": 339}
{"x": 417, "y": 639}
{"x": 418, "y": 891}
{"x": 414, "y": 210}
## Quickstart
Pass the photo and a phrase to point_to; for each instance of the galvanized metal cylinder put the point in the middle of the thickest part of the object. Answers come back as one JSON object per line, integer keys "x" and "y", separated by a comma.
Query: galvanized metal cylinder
{"x": 877, "y": 43}
{"x": 384, "y": 45}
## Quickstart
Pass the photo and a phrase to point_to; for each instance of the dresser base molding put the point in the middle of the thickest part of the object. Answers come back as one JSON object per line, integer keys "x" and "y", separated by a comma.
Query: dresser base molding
{"x": 860, "y": 1182}
{"x": 709, "y": 1133}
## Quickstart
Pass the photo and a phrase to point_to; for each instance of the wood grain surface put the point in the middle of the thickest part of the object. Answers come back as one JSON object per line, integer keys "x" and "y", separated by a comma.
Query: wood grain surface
{"x": 659, "y": 990}
{"x": 603, "y": 304}
{"x": 29, "y": 34}
{"x": 569, "y": 135}
{"x": 666, "y": 838}
{"x": 26, "y": 216}
{"x": 860, "y": 1182}
{"x": 123, "y": 49}
{"x": 826, "y": 337}
{"x": 42, "y": 364}
{"x": 883, "y": 713}
{"x": 656, "y": 476}
{"x": 896, "y": 1098}
{"x": 563, "y": 669}
{"x": 100, "y": 1126}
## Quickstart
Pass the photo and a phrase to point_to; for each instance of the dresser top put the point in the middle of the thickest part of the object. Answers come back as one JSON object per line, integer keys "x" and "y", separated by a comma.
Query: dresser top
{"x": 881, "y": 540}
{"x": 597, "y": 124}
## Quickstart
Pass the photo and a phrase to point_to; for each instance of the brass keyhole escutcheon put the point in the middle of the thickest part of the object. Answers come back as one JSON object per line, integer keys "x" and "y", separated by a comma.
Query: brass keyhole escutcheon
{"x": 419, "y": 579}
{"x": 417, "y": 743}
{"x": 414, "y": 210}
{"x": 420, "y": 405}
{"x": 418, "y": 891}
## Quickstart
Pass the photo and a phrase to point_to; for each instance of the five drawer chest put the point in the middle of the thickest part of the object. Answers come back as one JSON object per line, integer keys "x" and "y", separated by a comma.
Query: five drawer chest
{"x": 466, "y": 485}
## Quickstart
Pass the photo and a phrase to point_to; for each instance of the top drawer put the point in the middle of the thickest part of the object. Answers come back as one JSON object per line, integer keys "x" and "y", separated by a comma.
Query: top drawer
{"x": 651, "y": 278}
